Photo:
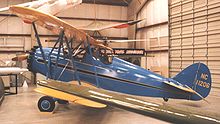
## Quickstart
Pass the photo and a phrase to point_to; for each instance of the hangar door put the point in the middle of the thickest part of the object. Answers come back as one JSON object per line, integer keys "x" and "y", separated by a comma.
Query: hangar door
{"x": 195, "y": 36}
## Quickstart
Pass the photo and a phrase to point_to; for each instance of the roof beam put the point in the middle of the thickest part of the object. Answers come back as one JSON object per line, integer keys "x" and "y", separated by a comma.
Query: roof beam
{"x": 109, "y": 2}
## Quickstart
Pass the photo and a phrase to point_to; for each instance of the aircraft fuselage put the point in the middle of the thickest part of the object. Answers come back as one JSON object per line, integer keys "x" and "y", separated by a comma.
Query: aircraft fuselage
{"x": 119, "y": 75}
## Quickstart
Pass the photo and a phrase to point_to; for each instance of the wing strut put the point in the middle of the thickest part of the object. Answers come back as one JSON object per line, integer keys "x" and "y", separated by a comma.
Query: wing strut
{"x": 60, "y": 41}
{"x": 41, "y": 48}
{"x": 90, "y": 52}
{"x": 70, "y": 54}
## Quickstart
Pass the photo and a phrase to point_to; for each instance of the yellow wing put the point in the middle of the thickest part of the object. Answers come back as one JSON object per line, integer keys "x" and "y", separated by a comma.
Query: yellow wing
{"x": 54, "y": 24}
{"x": 70, "y": 91}
{"x": 123, "y": 101}
{"x": 69, "y": 97}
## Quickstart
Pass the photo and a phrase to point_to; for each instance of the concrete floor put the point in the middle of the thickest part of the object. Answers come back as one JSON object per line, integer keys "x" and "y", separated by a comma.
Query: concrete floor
{"x": 22, "y": 109}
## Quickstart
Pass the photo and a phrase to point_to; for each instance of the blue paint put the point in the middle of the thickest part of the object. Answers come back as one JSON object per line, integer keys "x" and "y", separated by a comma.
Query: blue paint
{"x": 125, "y": 77}
{"x": 191, "y": 75}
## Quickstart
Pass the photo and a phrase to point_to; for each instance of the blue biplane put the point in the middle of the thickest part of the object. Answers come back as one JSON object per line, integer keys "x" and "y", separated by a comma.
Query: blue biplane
{"x": 78, "y": 57}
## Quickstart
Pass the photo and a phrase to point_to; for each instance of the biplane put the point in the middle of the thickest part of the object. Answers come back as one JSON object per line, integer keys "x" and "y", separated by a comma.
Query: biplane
{"x": 83, "y": 70}
{"x": 97, "y": 72}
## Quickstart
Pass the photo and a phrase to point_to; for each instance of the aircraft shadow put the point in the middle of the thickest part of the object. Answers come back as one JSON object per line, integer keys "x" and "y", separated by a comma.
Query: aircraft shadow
{"x": 94, "y": 115}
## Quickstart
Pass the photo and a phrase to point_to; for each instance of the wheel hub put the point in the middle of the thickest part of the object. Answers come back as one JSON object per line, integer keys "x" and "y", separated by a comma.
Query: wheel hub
{"x": 45, "y": 104}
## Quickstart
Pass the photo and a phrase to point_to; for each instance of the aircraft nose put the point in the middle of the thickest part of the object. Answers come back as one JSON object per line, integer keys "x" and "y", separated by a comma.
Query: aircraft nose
{"x": 31, "y": 58}
{"x": 20, "y": 57}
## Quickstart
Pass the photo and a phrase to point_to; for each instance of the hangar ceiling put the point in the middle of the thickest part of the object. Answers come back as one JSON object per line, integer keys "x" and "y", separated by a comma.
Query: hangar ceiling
{"x": 110, "y": 2}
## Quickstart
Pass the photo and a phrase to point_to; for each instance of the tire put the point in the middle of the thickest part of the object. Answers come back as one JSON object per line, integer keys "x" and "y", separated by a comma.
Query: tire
{"x": 46, "y": 104}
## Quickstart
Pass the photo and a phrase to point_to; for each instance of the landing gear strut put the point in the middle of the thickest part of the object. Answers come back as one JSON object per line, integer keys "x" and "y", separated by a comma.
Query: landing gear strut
{"x": 165, "y": 99}
{"x": 63, "y": 102}
{"x": 46, "y": 104}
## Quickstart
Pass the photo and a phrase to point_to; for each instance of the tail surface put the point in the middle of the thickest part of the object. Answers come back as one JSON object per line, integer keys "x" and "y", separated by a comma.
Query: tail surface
{"x": 197, "y": 77}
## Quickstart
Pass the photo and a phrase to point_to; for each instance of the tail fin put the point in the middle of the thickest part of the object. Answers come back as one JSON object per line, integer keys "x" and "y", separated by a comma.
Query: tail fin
{"x": 198, "y": 77}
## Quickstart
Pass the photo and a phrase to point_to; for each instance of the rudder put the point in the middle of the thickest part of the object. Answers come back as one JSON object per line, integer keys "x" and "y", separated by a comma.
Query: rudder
{"x": 198, "y": 77}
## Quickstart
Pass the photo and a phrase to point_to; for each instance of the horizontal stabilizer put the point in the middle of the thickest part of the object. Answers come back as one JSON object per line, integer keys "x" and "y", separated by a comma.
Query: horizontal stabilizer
{"x": 181, "y": 87}
{"x": 186, "y": 89}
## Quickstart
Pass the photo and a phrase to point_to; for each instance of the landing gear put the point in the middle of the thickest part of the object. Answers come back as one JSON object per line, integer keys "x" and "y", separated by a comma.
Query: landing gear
{"x": 46, "y": 104}
{"x": 63, "y": 102}
{"x": 165, "y": 99}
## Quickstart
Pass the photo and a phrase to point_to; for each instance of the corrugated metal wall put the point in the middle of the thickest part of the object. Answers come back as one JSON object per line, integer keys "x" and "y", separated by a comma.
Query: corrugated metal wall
{"x": 155, "y": 30}
{"x": 195, "y": 35}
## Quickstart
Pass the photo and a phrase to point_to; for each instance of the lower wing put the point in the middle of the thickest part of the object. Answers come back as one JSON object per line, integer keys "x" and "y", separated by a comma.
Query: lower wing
{"x": 74, "y": 92}
{"x": 69, "y": 97}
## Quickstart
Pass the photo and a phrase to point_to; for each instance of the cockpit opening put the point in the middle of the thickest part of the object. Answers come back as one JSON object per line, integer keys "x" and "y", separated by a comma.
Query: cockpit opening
{"x": 104, "y": 55}
{"x": 79, "y": 51}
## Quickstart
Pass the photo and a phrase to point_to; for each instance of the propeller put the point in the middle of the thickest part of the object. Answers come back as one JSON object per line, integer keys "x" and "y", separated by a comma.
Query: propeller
{"x": 20, "y": 57}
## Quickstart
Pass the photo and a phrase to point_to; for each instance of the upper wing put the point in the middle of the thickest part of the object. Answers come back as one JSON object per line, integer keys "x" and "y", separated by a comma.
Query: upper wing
{"x": 97, "y": 27}
{"x": 54, "y": 24}
{"x": 12, "y": 70}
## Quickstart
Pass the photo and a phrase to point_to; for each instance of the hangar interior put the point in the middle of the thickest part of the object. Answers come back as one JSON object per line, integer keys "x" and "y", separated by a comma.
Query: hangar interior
{"x": 177, "y": 33}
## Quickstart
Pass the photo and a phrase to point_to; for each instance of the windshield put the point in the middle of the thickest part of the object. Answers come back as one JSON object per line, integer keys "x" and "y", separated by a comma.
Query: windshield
{"x": 104, "y": 55}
